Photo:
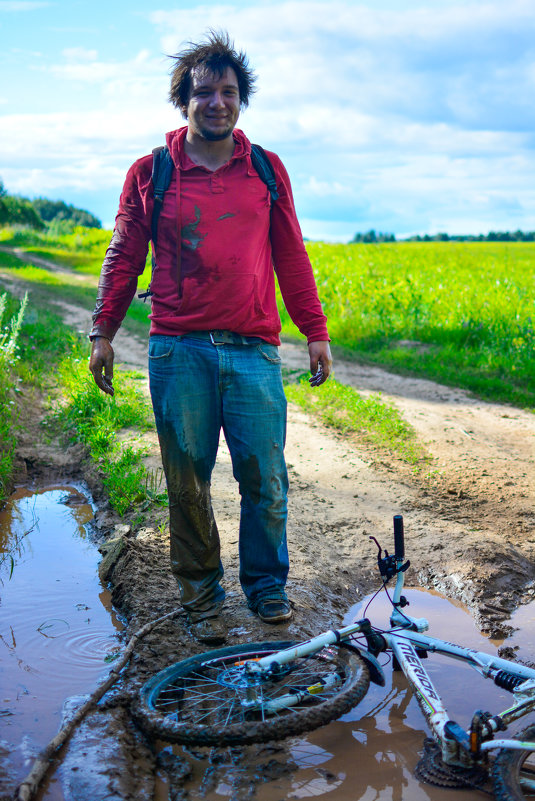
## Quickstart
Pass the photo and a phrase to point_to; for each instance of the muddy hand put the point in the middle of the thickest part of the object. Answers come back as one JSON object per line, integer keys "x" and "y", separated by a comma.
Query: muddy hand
{"x": 320, "y": 362}
{"x": 101, "y": 364}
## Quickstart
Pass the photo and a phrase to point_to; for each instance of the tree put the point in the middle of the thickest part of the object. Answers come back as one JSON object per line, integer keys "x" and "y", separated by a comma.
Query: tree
{"x": 51, "y": 210}
{"x": 19, "y": 211}
{"x": 370, "y": 237}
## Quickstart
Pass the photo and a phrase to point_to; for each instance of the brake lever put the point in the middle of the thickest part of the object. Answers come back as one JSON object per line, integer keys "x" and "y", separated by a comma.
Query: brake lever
{"x": 387, "y": 564}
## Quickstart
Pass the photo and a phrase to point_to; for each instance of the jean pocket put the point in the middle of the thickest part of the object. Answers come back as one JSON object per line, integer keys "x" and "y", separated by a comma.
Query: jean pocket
{"x": 269, "y": 352}
{"x": 161, "y": 347}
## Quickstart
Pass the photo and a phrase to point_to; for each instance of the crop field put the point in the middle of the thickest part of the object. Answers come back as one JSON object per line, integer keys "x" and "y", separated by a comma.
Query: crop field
{"x": 461, "y": 313}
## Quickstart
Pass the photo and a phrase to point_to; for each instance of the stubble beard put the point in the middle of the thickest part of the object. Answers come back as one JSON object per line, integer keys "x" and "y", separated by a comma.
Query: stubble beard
{"x": 209, "y": 135}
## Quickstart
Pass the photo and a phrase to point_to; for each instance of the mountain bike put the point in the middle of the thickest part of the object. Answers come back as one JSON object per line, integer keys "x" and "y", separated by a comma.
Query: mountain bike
{"x": 257, "y": 692}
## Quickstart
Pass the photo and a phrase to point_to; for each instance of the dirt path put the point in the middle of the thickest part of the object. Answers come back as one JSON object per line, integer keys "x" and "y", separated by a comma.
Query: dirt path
{"x": 470, "y": 528}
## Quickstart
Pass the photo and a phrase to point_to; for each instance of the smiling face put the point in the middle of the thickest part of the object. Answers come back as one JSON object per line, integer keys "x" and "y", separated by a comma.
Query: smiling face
{"x": 214, "y": 104}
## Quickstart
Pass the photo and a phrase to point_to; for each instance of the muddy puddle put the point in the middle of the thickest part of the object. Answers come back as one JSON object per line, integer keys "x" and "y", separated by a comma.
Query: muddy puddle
{"x": 57, "y": 625}
{"x": 370, "y": 753}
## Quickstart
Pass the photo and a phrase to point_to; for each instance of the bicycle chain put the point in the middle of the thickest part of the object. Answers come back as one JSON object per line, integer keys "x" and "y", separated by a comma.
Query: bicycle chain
{"x": 432, "y": 770}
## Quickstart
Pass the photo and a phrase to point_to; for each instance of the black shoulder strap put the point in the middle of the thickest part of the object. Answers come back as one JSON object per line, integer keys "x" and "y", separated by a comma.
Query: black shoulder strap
{"x": 265, "y": 170}
{"x": 162, "y": 170}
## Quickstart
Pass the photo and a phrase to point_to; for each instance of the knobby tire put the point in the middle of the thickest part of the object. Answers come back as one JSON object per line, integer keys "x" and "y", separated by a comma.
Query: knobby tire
{"x": 198, "y": 701}
{"x": 509, "y": 768}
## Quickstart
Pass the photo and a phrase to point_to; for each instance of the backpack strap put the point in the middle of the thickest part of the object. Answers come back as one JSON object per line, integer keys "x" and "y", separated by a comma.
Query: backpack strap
{"x": 265, "y": 170}
{"x": 162, "y": 170}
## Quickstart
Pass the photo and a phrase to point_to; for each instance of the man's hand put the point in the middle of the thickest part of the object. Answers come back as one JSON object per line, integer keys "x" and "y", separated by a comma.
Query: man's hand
{"x": 320, "y": 362}
{"x": 102, "y": 359}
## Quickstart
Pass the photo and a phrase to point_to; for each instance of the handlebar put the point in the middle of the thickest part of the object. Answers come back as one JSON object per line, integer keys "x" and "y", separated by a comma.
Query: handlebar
{"x": 399, "y": 541}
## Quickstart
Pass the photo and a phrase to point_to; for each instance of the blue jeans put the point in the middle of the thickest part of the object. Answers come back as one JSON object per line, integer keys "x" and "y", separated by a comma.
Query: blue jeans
{"x": 197, "y": 389}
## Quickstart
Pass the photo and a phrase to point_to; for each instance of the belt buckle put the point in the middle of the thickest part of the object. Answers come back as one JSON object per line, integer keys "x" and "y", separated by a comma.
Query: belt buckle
{"x": 221, "y": 337}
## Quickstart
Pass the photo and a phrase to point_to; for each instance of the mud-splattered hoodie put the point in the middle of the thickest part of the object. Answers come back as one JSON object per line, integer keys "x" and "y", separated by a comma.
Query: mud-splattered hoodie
{"x": 219, "y": 242}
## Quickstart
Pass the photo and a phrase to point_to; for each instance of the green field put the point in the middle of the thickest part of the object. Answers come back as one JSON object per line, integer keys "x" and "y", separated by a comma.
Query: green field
{"x": 461, "y": 313}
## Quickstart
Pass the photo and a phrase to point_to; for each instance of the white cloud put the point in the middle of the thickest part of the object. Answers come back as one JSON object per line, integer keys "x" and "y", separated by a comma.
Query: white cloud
{"x": 79, "y": 54}
{"x": 400, "y": 119}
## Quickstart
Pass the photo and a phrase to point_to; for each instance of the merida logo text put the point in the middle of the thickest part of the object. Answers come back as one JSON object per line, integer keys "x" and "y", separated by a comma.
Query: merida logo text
{"x": 414, "y": 662}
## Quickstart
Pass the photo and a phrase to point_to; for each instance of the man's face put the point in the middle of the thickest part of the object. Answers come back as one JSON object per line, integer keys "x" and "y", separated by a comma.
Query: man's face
{"x": 214, "y": 104}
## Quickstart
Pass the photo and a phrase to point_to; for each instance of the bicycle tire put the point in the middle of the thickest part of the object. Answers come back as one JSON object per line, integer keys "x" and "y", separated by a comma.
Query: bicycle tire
{"x": 194, "y": 702}
{"x": 510, "y": 766}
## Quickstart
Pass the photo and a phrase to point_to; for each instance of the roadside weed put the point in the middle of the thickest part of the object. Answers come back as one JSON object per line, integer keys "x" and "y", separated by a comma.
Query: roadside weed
{"x": 343, "y": 408}
{"x": 10, "y": 324}
{"x": 95, "y": 419}
{"x": 37, "y": 350}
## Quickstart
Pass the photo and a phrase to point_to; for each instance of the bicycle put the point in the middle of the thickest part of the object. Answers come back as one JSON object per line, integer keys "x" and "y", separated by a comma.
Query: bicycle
{"x": 257, "y": 692}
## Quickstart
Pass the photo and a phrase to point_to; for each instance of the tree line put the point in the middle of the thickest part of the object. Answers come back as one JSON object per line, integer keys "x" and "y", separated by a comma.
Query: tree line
{"x": 493, "y": 236}
{"x": 43, "y": 213}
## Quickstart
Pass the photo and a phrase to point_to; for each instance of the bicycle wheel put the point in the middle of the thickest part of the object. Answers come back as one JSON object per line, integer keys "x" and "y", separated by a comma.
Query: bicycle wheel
{"x": 206, "y": 699}
{"x": 513, "y": 772}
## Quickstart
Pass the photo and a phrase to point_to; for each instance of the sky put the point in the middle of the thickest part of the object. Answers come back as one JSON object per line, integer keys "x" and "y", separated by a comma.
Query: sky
{"x": 405, "y": 116}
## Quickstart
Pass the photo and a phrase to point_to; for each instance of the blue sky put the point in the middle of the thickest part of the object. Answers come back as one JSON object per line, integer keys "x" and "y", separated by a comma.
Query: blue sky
{"x": 406, "y": 117}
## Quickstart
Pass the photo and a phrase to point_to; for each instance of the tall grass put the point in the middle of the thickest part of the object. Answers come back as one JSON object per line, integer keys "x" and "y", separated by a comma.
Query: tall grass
{"x": 41, "y": 356}
{"x": 10, "y": 325}
{"x": 461, "y": 313}
{"x": 95, "y": 419}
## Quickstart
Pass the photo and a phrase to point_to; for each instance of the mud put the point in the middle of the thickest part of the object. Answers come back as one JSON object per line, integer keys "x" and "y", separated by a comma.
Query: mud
{"x": 470, "y": 530}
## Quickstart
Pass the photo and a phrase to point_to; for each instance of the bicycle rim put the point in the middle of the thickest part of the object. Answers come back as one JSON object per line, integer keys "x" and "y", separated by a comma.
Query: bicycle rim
{"x": 513, "y": 772}
{"x": 201, "y": 700}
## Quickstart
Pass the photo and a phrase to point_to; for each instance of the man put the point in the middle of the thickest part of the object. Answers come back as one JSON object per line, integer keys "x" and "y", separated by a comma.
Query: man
{"x": 213, "y": 356}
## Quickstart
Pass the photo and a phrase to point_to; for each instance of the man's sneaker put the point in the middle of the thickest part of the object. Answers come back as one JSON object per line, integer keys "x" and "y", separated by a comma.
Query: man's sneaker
{"x": 274, "y": 610}
{"x": 209, "y": 630}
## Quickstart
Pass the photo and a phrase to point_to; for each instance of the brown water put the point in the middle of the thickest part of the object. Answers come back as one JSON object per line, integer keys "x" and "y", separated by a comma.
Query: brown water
{"x": 370, "y": 753}
{"x": 56, "y": 620}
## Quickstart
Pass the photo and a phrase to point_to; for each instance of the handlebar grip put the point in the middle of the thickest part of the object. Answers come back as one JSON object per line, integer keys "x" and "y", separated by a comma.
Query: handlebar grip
{"x": 399, "y": 541}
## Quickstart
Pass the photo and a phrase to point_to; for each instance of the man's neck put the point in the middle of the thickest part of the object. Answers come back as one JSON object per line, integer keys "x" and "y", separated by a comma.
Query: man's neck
{"x": 208, "y": 153}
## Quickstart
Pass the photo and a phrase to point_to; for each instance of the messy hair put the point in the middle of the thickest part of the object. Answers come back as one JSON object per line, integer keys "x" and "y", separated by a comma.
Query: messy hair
{"x": 216, "y": 53}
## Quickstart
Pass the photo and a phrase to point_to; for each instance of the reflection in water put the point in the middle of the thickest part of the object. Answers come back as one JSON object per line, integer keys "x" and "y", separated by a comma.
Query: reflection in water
{"x": 56, "y": 620}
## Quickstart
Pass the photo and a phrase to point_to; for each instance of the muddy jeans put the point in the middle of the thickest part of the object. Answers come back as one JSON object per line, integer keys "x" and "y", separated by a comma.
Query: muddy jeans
{"x": 197, "y": 389}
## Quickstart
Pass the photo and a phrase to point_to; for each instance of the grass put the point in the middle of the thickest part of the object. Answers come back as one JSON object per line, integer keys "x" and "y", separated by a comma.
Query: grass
{"x": 82, "y": 250}
{"x": 96, "y": 419}
{"x": 375, "y": 421}
{"x": 38, "y": 352}
{"x": 459, "y": 313}
{"x": 47, "y": 287}
{"x": 11, "y": 319}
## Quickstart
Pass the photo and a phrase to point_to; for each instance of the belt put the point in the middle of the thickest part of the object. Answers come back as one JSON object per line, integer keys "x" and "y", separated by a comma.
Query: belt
{"x": 219, "y": 337}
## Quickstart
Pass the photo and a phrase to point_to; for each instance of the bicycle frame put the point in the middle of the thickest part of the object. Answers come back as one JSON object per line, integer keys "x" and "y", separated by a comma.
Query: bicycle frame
{"x": 405, "y": 638}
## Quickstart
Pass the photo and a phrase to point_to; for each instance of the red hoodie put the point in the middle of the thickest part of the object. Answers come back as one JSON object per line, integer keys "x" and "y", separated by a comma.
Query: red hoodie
{"x": 231, "y": 239}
